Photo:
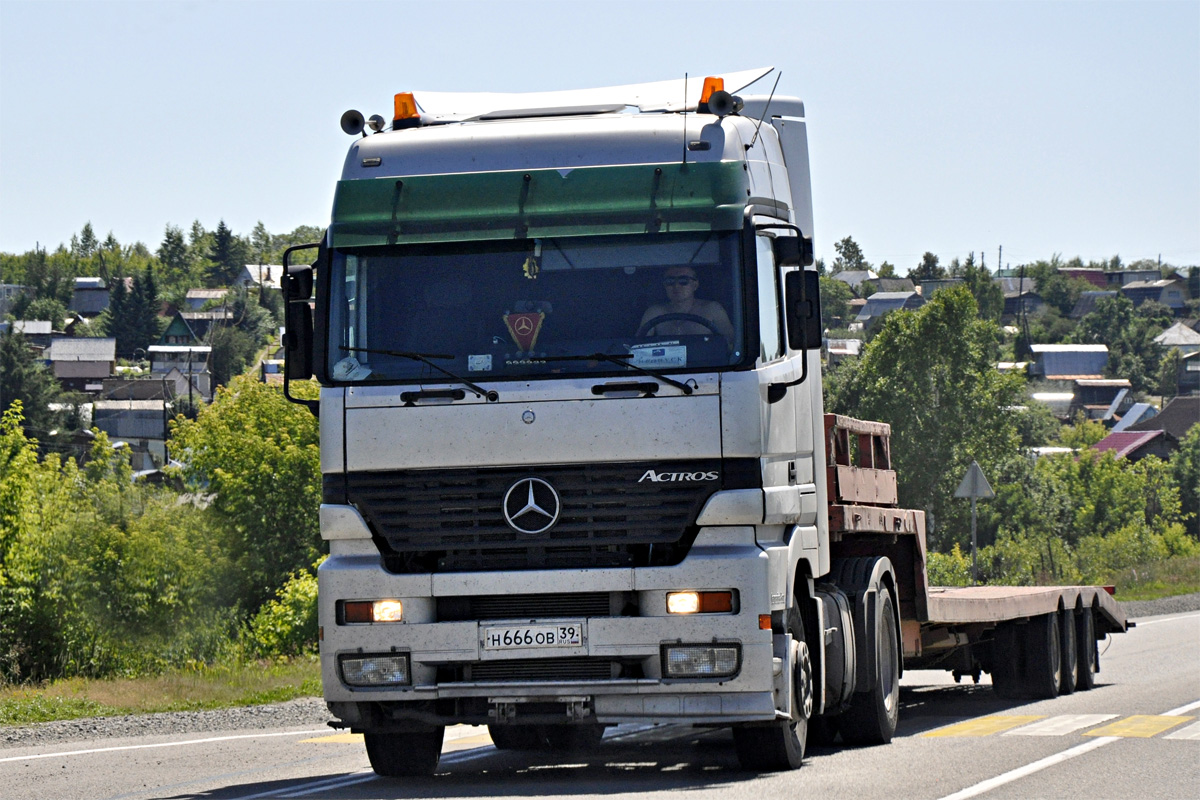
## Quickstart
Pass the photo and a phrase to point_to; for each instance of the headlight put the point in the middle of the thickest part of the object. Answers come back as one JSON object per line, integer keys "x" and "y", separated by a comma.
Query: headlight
{"x": 378, "y": 670}
{"x": 692, "y": 602}
{"x": 701, "y": 660}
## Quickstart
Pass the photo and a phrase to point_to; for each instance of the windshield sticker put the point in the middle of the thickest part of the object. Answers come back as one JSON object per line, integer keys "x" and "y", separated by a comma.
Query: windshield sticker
{"x": 524, "y": 328}
{"x": 348, "y": 369}
{"x": 665, "y": 354}
{"x": 479, "y": 363}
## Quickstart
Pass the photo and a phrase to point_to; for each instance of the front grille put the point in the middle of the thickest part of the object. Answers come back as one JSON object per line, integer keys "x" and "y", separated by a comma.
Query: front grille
{"x": 531, "y": 606}
{"x": 544, "y": 669}
{"x": 428, "y": 520}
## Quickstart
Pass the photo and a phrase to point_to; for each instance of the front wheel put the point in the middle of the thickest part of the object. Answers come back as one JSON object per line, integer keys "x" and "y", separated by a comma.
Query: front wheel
{"x": 404, "y": 755}
{"x": 780, "y": 745}
{"x": 873, "y": 715}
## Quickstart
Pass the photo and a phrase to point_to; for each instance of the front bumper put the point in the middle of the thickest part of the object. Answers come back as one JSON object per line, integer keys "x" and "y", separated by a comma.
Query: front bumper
{"x": 444, "y": 656}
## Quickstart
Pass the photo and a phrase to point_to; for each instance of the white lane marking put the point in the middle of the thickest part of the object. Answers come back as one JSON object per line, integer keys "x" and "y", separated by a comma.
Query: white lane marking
{"x": 1060, "y": 725}
{"x": 313, "y": 786}
{"x": 1179, "y": 712}
{"x": 1166, "y": 619}
{"x": 159, "y": 744}
{"x": 1029, "y": 769}
{"x": 1191, "y": 732}
{"x": 338, "y": 784}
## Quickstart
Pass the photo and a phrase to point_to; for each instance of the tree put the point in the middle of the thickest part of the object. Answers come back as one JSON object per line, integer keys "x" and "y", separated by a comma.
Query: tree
{"x": 228, "y": 256}
{"x": 931, "y": 375}
{"x": 850, "y": 256}
{"x": 835, "y": 299}
{"x": 927, "y": 270}
{"x": 87, "y": 241}
{"x": 173, "y": 253}
{"x": 1129, "y": 334}
{"x": 257, "y": 453}
{"x": 1185, "y": 464}
{"x": 26, "y": 384}
{"x": 47, "y": 308}
{"x": 886, "y": 270}
{"x": 987, "y": 293}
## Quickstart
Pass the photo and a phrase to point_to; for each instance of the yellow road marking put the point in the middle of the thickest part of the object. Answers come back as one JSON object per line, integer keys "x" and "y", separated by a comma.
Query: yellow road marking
{"x": 337, "y": 738}
{"x": 1140, "y": 726}
{"x": 984, "y": 726}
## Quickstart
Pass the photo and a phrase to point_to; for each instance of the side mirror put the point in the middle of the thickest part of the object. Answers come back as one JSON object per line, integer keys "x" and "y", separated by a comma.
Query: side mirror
{"x": 803, "y": 297}
{"x": 298, "y": 339}
{"x": 793, "y": 251}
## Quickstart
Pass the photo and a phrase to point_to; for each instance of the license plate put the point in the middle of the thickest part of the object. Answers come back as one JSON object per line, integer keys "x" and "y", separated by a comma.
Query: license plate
{"x": 523, "y": 637}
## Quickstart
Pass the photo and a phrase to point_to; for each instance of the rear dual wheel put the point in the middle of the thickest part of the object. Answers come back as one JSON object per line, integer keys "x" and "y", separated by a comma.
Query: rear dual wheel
{"x": 873, "y": 715}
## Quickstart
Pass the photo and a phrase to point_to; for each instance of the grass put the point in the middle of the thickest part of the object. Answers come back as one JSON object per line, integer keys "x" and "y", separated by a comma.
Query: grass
{"x": 207, "y": 687}
{"x": 1159, "y": 579}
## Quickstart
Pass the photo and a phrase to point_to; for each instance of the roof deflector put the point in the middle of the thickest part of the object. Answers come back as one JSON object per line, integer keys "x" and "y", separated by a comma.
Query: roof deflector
{"x": 657, "y": 96}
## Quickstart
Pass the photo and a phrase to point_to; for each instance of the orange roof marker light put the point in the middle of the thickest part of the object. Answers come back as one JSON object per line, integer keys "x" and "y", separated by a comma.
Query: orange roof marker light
{"x": 407, "y": 115}
{"x": 715, "y": 100}
{"x": 711, "y": 85}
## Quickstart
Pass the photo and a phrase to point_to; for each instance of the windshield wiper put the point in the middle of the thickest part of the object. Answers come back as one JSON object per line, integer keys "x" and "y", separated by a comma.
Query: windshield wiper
{"x": 623, "y": 360}
{"x": 489, "y": 394}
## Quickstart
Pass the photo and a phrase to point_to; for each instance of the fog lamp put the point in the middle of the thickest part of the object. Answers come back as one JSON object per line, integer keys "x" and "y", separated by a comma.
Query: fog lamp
{"x": 701, "y": 660}
{"x": 377, "y": 670}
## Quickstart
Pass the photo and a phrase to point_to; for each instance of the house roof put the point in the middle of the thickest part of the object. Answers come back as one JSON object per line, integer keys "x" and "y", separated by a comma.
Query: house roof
{"x": 1116, "y": 383}
{"x": 883, "y": 302}
{"x": 1136, "y": 413}
{"x": 1096, "y": 277}
{"x": 1015, "y": 286}
{"x": 1124, "y": 443}
{"x": 90, "y": 283}
{"x": 206, "y": 294}
{"x": 854, "y": 277}
{"x": 1161, "y": 283}
{"x": 1069, "y": 348}
{"x": 82, "y": 349}
{"x": 33, "y": 327}
{"x": 1086, "y": 303}
{"x": 128, "y": 405}
{"x": 1176, "y": 418}
{"x": 893, "y": 284}
{"x": 845, "y": 347}
{"x": 1178, "y": 335}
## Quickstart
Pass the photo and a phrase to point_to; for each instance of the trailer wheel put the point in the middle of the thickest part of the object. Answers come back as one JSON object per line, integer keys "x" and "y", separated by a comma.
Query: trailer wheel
{"x": 1043, "y": 656}
{"x": 780, "y": 745}
{"x": 1006, "y": 661}
{"x": 1088, "y": 663}
{"x": 514, "y": 737}
{"x": 408, "y": 754}
{"x": 872, "y": 715}
{"x": 1070, "y": 651}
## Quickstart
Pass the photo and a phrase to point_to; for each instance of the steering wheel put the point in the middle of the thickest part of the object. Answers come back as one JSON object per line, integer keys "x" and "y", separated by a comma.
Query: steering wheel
{"x": 696, "y": 318}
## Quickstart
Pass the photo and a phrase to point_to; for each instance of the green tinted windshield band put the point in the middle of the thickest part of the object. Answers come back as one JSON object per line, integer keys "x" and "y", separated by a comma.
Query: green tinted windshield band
{"x": 643, "y": 198}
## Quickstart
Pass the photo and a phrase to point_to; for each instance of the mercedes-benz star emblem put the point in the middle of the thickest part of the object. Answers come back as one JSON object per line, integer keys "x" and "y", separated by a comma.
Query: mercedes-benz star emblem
{"x": 531, "y": 506}
{"x": 523, "y": 326}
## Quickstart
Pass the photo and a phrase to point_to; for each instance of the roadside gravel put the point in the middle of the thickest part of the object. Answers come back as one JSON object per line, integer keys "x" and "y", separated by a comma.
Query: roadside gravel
{"x": 305, "y": 712}
{"x": 310, "y": 712}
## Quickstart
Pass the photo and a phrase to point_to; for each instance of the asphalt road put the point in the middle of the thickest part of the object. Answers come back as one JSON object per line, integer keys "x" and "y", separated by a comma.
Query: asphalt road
{"x": 1136, "y": 735}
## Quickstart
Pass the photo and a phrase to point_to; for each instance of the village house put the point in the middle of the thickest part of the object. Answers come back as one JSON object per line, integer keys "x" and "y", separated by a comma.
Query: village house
{"x": 82, "y": 364}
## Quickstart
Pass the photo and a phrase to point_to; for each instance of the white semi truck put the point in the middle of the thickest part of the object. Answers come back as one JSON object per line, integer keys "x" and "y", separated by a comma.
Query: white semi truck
{"x": 575, "y": 466}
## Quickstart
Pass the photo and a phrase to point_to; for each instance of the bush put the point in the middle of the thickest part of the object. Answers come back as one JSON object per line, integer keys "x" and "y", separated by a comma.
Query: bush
{"x": 949, "y": 569}
{"x": 287, "y": 625}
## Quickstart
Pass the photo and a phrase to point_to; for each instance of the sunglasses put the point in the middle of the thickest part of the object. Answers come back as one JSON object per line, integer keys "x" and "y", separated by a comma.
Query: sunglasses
{"x": 682, "y": 280}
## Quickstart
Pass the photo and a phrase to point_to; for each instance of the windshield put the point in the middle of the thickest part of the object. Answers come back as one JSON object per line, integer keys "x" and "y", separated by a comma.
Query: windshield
{"x": 522, "y": 308}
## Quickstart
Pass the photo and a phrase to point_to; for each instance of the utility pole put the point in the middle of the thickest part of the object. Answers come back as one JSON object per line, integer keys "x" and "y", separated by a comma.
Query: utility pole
{"x": 1000, "y": 259}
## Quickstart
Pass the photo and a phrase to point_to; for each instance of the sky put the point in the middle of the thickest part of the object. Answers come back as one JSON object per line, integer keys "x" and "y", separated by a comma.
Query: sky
{"x": 1041, "y": 128}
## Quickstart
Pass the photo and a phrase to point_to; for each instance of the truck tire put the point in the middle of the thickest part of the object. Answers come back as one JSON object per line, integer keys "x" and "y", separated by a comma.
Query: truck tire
{"x": 1070, "y": 651}
{"x": 514, "y": 737}
{"x": 872, "y": 715}
{"x": 779, "y": 745}
{"x": 1088, "y": 663}
{"x": 408, "y": 754}
{"x": 1006, "y": 661}
{"x": 1043, "y": 657}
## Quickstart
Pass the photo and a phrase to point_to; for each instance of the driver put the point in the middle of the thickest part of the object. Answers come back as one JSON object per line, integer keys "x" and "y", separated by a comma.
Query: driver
{"x": 680, "y": 284}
